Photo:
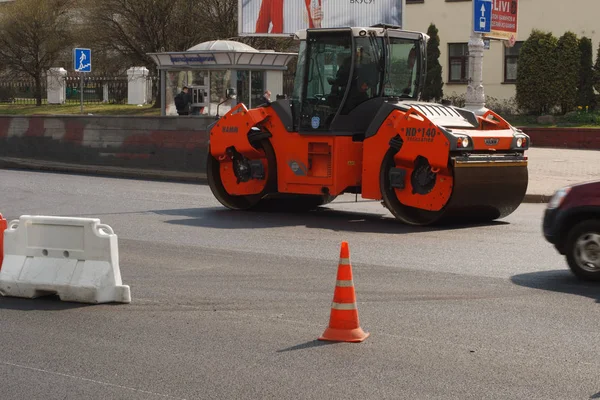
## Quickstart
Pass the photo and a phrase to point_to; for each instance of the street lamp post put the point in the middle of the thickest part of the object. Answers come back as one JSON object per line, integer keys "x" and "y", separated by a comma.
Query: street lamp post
{"x": 475, "y": 100}
{"x": 481, "y": 22}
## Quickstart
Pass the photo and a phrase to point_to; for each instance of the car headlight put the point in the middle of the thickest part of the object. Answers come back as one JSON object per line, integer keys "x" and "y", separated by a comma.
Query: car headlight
{"x": 558, "y": 197}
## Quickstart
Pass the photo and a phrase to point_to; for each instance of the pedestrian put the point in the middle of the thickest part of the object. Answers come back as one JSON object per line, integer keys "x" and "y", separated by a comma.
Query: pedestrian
{"x": 266, "y": 97}
{"x": 183, "y": 101}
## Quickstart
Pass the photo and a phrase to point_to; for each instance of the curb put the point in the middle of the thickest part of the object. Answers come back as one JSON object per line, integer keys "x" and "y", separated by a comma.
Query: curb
{"x": 114, "y": 172}
{"x": 158, "y": 175}
{"x": 536, "y": 198}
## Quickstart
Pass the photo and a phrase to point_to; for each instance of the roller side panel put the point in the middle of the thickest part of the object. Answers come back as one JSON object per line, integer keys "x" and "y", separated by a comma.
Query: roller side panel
{"x": 317, "y": 164}
{"x": 232, "y": 130}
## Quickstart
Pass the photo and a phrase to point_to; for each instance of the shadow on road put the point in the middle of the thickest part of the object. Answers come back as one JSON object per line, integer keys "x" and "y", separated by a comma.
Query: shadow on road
{"x": 307, "y": 345}
{"x": 562, "y": 281}
{"x": 46, "y": 303}
{"x": 322, "y": 218}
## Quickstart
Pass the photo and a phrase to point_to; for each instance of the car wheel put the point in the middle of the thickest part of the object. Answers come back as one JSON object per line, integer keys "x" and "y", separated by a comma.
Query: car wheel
{"x": 583, "y": 250}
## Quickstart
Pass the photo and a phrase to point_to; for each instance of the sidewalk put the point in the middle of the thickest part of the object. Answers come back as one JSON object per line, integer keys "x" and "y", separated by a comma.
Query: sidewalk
{"x": 549, "y": 170}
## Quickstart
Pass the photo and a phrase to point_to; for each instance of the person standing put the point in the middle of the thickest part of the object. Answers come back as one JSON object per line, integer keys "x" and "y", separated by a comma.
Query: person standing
{"x": 183, "y": 101}
{"x": 266, "y": 97}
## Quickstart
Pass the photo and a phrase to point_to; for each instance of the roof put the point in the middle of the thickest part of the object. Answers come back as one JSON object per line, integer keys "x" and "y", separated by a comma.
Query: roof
{"x": 223, "y": 45}
{"x": 222, "y": 54}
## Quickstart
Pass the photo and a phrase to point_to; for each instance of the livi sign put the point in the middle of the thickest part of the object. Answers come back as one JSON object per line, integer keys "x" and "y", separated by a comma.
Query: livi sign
{"x": 504, "y": 20}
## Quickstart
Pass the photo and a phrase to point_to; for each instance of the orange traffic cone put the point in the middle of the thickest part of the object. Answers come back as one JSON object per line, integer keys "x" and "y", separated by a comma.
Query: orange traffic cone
{"x": 343, "y": 322}
{"x": 2, "y": 229}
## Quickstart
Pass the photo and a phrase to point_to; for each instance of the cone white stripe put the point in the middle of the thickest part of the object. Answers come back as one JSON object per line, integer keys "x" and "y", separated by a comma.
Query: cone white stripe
{"x": 349, "y": 283}
{"x": 344, "y": 261}
{"x": 343, "y": 306}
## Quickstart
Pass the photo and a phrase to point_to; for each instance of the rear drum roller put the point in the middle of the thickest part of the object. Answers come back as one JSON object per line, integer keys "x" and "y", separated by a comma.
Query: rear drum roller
{"x": 215, "y": 175}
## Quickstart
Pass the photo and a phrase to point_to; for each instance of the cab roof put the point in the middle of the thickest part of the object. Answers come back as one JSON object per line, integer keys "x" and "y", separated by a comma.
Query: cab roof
{"x": 360, "y": 31}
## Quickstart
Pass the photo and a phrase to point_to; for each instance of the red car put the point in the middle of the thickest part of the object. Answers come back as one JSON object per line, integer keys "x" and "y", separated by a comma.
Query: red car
{"x": 572, "y": 224}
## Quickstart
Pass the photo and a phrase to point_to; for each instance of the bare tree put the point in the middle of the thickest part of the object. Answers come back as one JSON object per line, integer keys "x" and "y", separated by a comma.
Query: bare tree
{"x": 34, "y": 34}
{"x": 133, "y": 28}
{"x": 221, "y": 17}
{"x": 123, "y": 32}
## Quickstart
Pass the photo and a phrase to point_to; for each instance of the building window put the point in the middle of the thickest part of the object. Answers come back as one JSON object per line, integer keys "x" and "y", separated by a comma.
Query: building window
{"x": 511, "y": 57}
{"x": 459, "y": 62}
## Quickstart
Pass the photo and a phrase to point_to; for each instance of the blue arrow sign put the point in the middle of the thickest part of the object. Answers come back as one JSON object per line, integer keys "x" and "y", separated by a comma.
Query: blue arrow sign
{"x": 82, "y": 60}
{"x": 482, "y": 12}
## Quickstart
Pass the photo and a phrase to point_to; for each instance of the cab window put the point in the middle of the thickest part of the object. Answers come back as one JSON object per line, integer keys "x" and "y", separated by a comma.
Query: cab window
{"x": 329, "y": 61}
{"x": 402, "y": 77}
{"x": 366, "y": 81}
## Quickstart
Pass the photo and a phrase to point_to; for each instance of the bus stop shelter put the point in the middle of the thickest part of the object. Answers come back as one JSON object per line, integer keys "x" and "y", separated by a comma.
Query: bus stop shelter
{"x": 210, "y": 68}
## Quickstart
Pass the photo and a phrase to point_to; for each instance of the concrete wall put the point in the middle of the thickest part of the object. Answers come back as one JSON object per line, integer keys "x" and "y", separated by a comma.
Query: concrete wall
{"x": 562, "y": 138}
{"x": 155, "y": 147}
{"x": 159, "y": 143}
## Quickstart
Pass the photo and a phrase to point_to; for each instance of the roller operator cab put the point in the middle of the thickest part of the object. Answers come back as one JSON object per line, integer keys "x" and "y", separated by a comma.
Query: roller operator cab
{"x": 354, "y": 124}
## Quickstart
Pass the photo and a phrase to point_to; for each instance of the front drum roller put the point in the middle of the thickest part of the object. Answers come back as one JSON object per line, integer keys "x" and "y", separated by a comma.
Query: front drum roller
{"x": 480, "y": 192}
{"x": 406, "y": 214}
{"x": 221, "y": 178}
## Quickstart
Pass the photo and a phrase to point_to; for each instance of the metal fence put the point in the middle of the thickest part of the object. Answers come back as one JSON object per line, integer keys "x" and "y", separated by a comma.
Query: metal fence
{"x": 20, "y": 92}
{"x": 96, "y": 89}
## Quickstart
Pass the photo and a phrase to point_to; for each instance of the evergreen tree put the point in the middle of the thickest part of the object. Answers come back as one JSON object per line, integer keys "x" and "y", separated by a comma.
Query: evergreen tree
{"x": 597, "y": 71}
{"x": 585, "y": 89}
{"x": 433, "y": 79}
{"x": 568, "y": 59}
{"x": 537, "y": 78}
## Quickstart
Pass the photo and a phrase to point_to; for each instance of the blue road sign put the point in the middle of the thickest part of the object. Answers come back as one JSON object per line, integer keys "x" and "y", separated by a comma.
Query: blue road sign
{"x": 82, "y": 60}
{"x": 482, "y": 12}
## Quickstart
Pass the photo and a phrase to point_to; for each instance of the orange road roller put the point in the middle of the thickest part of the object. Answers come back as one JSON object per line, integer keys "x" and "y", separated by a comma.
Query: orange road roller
{"x": 355, "y": 124}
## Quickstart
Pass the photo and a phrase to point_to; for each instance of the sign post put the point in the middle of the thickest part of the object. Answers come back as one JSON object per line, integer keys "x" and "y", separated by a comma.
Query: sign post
{"x": 482, "y": 16}
{"x": 481, "y": 23}
{"x": 82, "y": 63}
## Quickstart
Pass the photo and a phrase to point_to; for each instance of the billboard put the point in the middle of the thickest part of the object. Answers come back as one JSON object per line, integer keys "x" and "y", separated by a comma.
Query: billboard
{"x": 285, "y": 17}
{"x": 504, "y": 20}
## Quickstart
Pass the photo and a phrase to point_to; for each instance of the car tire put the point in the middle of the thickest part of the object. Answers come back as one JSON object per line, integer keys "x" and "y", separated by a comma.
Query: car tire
{"x": 577, "y": 235}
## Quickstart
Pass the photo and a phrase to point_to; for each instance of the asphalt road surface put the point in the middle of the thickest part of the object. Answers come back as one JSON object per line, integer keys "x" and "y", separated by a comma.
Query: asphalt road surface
{"x": 228, "y": 305}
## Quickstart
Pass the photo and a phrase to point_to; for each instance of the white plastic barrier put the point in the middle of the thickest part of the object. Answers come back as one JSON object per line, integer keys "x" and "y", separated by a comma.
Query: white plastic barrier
{"x": 75, "y": 258}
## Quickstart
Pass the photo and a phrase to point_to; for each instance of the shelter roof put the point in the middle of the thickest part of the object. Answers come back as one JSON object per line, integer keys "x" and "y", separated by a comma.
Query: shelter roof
{"x": 222, "y": 54}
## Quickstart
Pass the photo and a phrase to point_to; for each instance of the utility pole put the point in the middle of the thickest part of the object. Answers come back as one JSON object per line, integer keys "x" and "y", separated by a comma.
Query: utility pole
{"x": 481, "y": 23}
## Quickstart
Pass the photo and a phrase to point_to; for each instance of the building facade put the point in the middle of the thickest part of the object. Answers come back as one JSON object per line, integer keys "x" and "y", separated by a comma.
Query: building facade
{"x": 453, "y": 20}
